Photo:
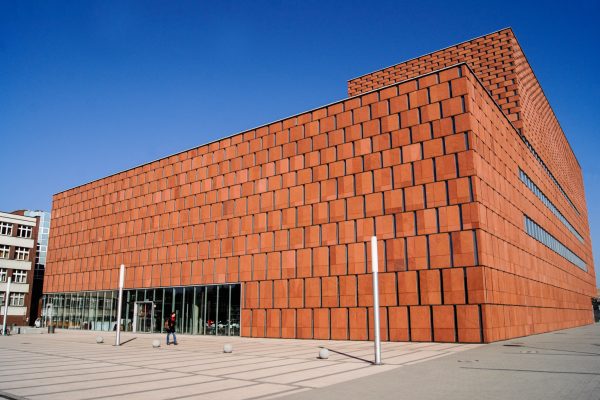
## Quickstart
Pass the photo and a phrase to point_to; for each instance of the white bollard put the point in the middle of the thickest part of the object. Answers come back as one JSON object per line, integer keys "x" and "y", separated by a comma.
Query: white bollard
{"x": 99, "y": 339}
{"x": 227, "y": 348}
{"x": 156, "y": 343}
{"x": 323, "y": 354}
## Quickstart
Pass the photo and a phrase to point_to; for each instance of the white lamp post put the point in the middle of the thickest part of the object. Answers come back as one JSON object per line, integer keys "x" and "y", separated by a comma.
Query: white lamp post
{"x": 375, "y": 269}
{"x": 119, "y": 305}
{"x": 6, "y": 299}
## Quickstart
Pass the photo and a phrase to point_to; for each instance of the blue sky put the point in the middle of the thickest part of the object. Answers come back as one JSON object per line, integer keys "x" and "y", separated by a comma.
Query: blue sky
{"x": 89, "y": 88}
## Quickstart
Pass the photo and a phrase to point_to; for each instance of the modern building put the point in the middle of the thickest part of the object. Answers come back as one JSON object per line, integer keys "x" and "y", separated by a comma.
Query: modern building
{"x": 39, "y": 265}
{"x": 454, "y": 160}
{"x": 17, "y": 249}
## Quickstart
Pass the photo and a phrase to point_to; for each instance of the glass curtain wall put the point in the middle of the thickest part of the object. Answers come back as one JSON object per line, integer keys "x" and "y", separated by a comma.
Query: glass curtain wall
{"x": 201, "y": 310}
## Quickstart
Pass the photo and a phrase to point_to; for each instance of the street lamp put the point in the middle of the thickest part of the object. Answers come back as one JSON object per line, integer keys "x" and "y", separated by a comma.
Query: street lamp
{"x": 6, "y": 297}
{"x": 120, "y": 305}
{"x": 375, "y": 270}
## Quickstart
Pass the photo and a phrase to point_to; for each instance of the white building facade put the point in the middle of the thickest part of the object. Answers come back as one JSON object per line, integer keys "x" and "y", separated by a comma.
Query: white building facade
{"x": 17, "y": 252}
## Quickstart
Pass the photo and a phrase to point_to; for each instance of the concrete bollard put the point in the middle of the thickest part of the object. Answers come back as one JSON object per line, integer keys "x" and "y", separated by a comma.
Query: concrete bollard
{"x": 323, "y": 354}
{"x": 99, "y": 339}
{"x": 227, "y": 348}
{"x": 156, "y": 343}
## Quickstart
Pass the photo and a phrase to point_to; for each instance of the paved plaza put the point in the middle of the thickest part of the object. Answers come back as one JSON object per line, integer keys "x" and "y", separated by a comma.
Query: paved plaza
{"x": 563, "y": 365}
{"x": 71, "y": 365}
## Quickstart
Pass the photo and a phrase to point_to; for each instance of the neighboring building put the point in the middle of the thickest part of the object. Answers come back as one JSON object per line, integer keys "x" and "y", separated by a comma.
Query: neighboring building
{"x": 17, "y": 250}
{"x": 456, "y": 162}
{"x": 39, "y": 265}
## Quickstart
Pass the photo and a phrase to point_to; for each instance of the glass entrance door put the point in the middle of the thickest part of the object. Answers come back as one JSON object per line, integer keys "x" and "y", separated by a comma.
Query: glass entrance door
{"x": 144, "y": 316}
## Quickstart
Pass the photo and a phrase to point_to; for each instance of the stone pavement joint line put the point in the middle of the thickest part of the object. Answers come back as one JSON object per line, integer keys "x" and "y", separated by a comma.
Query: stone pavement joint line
{"x": 70, "y": 364}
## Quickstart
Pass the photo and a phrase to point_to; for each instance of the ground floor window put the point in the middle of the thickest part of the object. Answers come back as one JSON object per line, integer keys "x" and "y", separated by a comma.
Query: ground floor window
{"x": 201, "y": 310}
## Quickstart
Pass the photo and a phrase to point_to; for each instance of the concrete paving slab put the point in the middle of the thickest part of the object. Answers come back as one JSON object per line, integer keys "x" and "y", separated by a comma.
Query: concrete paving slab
{"x": 195, "y": 390}
{"x": 62, "y": 366}
{"x": 26, "y": 382}
{"x": 326, "y": 369}
{"x": 263, "y": 372}
{"x": 278, "y": 365}
{"x": 98, "y": 383}
{"x": 254, "y": 391}
{"x": 346, "y": 376}
{"x": 81, "y": 372}
{"x": 176, "y": 386}
{"x": 206, "y": 365}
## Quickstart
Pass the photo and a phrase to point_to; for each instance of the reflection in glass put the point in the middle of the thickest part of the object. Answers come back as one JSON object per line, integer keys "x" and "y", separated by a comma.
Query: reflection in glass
{"x": 178, "y": 307}
{"x": 223, "y": 310}
{"x": 210, "y": 304}
{"x": 187, "y": 317}
{"x": 234, "y": 311}
{"x": 202, "y": 310}
{"x": 199, "y": 316}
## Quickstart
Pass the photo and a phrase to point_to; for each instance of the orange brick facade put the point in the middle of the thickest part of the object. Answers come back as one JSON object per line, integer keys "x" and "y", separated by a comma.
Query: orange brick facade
{"x": 428, "y": 161}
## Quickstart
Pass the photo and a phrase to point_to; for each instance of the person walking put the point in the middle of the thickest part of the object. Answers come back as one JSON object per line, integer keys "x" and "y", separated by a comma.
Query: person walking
{"x": 170, "y": 327}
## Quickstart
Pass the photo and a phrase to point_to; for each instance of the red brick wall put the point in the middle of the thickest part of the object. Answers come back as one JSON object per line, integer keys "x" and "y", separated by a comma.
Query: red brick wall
{"x": 490, "y": 56}
{"x": 499, "y": 62}
{"x": 541, "y": 127}
{"x": 528, "y": 288}
{"x": 288, "y": 208}
{"x": 429, "y": 164}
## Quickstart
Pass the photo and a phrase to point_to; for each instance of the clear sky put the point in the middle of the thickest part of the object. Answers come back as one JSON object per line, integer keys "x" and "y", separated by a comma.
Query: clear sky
{"x": 90, "y": 88}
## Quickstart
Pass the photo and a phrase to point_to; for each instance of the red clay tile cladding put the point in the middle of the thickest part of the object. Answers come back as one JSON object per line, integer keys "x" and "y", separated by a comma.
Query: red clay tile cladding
{"x": 430, "y": 165}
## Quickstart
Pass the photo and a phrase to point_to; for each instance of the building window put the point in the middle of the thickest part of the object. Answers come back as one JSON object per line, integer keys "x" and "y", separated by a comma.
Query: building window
{"x": 203, "y": 310}
{"x": 2, "y": 300}
{"x": 5, "y": 229}
{"x": 3, "y": 274}
{"x": 17, "y": 299}
{"x": 20, "y": 276}
{"x": 544, "y": 237}
{"x": 24, "y": 231}
{"x": 547, "y": 171}
{"x": 4, "y": 251}
{"x": 21, "y": 253}
{"x": 540, "y": 195}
